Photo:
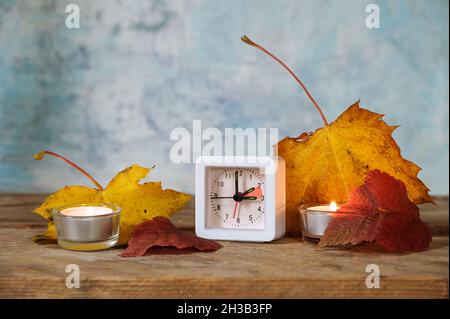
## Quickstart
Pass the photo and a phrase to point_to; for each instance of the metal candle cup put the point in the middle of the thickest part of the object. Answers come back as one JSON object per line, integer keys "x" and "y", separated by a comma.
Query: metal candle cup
{"x": 87, "y": 226}
{"x": 314, "y": 219}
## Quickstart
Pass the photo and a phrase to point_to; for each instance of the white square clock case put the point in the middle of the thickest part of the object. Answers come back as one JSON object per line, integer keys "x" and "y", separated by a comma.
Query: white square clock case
{"x": 270, "y": 169}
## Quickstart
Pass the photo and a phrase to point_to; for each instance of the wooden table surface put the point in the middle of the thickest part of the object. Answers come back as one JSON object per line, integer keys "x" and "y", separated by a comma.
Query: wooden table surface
{"x": 287, "y": 268}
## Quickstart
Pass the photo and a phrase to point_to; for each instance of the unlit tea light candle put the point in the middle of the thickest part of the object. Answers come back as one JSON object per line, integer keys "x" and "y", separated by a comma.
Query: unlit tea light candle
{"x": 314, "y": 219}
{"x": 87, "y": 226}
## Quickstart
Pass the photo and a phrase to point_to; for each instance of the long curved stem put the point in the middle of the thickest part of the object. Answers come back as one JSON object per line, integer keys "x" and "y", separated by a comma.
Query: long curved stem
{"x": 41, "y": 154}
{"x": 256, "y": 45}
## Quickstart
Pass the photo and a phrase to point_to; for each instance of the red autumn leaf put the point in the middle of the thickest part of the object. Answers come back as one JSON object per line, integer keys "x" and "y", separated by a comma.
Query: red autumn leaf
{"x": 160, "y": 232}
{"x": 379, "y": 211}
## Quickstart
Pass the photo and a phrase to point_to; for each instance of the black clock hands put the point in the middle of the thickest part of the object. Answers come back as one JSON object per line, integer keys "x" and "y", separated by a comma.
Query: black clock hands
{"x": 236, "y": 183}
{"x": 238, "y": 196}
{"x": 248, "y": 191}
{"x": 233, "y": 197}
{"x": 249, "y": 198}
{"x": 221, "y": 197}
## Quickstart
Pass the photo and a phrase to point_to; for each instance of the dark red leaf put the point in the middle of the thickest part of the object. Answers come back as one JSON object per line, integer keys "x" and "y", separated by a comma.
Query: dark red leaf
{"x": 160, "y": 232}
{"x": 389, "y": 193}
{"x": 417, "y": 237}
{"x": 379, "y": 211}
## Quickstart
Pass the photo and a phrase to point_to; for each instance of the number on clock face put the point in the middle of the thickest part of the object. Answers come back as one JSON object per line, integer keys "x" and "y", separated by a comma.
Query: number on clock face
{"x": 236, "y": 198}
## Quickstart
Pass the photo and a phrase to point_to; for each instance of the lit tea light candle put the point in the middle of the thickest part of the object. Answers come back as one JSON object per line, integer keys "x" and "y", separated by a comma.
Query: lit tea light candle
{"x": 85, "y": 211}
{"x": 326, "y": 208}
{"x": 314, "y": 219}
{"x": 87, "y": 226}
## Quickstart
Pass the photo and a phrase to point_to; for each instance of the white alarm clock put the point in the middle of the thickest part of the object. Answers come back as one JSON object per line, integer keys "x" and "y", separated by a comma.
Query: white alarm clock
{"x": 240, "y": 198}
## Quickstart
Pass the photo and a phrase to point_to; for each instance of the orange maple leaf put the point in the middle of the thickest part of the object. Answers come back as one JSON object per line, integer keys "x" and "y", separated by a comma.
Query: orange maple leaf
{"x": 326, "y": 165}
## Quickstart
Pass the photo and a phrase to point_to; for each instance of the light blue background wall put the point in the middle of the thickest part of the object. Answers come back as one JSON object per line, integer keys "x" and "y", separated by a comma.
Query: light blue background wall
{"x": 108, "y": 95}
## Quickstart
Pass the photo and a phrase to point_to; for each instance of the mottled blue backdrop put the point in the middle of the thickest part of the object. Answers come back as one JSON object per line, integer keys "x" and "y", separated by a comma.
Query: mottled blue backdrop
{"x": 108, "y": 94}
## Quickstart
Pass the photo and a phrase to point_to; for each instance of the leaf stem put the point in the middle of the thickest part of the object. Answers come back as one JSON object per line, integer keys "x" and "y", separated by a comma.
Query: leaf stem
{"x": 256, "y": 45}
{"x": 41, "y": 154}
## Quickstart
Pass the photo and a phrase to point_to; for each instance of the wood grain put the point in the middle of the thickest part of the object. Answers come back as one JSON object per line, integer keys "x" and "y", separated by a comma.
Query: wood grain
{"x": 287, "y": 268}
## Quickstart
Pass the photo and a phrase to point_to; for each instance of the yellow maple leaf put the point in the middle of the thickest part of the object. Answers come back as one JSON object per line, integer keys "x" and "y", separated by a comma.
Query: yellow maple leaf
{"x": 67, "y": 196}
{"x": 48, "y": 235}
{"x": 325, "y": 166}
{"x": 139, "y": 202}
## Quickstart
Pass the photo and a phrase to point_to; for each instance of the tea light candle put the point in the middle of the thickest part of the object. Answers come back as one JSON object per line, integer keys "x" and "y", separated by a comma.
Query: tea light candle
{"x": 327, "y": 208}
{"x": 314, "y": 219}
{"x": 85, "y": 211}
{"x": 87, "y": 226}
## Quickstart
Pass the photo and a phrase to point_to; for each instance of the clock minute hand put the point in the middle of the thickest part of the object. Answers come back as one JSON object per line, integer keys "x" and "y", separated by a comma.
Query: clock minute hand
{"x": 236, "y": 182}
{"x": 221, "y": 197}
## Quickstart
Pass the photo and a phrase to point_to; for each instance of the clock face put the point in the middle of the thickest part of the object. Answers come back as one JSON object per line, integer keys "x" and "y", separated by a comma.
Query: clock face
{"x": 235, "y": 198}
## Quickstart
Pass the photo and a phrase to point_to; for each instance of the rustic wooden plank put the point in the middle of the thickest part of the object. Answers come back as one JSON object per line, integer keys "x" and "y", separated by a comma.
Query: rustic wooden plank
{"x": 436, "y": 215}
{"x": 20, "y": 199}
{"x": 15, "y": 212}
{"x": 287, "y": 268}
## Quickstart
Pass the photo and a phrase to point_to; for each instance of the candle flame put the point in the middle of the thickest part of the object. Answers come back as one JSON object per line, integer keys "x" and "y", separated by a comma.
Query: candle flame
{"x": 333, "y": 206}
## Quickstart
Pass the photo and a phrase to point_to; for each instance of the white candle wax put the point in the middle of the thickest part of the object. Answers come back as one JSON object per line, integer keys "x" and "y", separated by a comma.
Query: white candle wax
{"x": 86, "y": 211}
{"x": 325, "y": 208}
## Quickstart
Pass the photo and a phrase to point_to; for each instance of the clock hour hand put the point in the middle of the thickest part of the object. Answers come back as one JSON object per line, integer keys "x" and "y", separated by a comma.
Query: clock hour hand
{"x": 254, "y": 194}
{"x": 249, "y": 198}
{"x": 248, "y": 191}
